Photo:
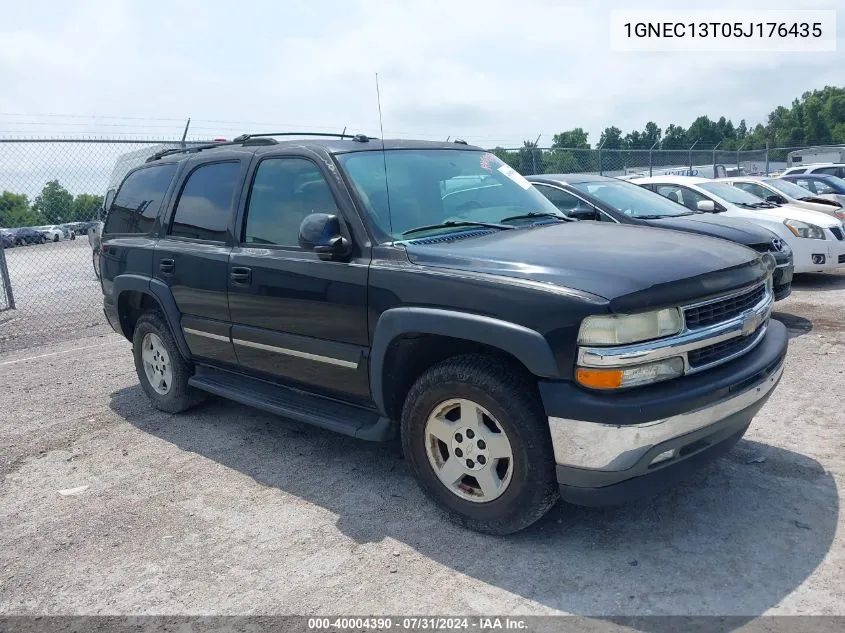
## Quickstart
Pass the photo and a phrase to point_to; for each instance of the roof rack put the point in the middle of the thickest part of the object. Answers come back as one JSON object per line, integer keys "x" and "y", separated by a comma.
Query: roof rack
{"x": 247, "y": 140}
{"x": 361, "y": 138}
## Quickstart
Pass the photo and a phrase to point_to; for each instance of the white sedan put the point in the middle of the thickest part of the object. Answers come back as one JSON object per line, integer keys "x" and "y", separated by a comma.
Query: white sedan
{"x": 779, "y": 191}
{"x": 817, "y": 240}
{"x": 51, "y": 233}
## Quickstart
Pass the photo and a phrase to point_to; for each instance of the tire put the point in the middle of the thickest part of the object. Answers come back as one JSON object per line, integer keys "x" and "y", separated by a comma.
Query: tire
{"x": 55, "y": 238}
{"x": 509, "y": 401}
{"x": 178, "y": 396}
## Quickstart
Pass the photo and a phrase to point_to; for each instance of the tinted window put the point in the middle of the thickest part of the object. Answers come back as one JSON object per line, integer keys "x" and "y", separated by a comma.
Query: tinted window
{"x": 563, "y": 200}
{"x": 205, "y": 205}
{"x": 833, "y": 171}
{"x": 137, "y": 203}
{"x": 284, "y": 191}
{"x": 630, "y": 199}
{"x": 753, "y": 189}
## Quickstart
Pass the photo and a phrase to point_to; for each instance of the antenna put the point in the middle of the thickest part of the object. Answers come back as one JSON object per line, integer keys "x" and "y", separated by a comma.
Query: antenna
{"x": 383, "y": 156}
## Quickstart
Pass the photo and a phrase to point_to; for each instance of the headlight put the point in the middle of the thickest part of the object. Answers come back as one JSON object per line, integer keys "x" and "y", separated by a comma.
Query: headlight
{"x": 802, "y": 229}
{"x": 619, "y": 329}
{"x": 630, "y": 376}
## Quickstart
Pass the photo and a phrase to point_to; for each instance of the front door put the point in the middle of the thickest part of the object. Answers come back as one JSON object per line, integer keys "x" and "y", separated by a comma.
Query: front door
{"x": 296, "y": 318}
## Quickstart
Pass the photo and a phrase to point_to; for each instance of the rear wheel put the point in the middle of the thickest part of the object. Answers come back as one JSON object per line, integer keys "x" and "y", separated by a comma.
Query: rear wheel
{"x": 162, "y": 371}
{"x": 476, "y": 437}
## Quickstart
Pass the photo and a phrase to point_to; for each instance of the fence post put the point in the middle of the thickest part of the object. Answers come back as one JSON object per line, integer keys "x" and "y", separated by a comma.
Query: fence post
{"x": 649, "y": 157}
{"x": 4, "y": 279}
{"x": 737, "y": 156}
{"x": 767, "y": 158}
{"x": 714, "y": 157}
{"x": 690, "y": 155}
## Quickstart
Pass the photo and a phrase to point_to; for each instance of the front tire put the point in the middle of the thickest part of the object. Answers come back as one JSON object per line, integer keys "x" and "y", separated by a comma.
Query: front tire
{"x": 162, "y": 371}
{"x": 477, "y": 440}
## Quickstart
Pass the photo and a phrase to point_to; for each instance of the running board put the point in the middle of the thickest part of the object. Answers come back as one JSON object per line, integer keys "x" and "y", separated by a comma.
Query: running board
{"x": 364, "y": 424}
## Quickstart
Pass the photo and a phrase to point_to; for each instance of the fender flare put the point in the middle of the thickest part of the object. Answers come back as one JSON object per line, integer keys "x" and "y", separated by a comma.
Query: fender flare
{"x": 160, "y": 292}
{"x": 526, "y": 345}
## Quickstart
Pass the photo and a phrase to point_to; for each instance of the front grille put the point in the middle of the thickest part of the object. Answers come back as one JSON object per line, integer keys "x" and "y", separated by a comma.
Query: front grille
{"x": 719, "y": 351}
{"x": 761, "y": 248}
{"x": 837, "y": 233}
{"x": 723, "y": 309}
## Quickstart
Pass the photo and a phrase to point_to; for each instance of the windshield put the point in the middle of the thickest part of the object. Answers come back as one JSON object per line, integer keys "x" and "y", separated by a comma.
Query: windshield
{"x": 632, "y": 200}
{"x": 431, "y": 186}
{"x": 730, "y": 194}
{"x": 789, "y": 188}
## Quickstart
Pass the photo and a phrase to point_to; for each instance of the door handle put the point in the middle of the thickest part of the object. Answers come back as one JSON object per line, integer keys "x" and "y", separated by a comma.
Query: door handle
{"x": 167, "y": 266}
{"x": 241, "y": 275}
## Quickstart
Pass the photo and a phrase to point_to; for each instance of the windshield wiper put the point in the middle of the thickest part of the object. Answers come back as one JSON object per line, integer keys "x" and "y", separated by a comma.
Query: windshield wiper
{"x": 535, "y": 214}
{"x": 449, "y": 223}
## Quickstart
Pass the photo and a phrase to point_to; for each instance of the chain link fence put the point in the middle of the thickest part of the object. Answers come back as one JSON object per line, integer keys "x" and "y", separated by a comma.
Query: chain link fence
{"x": 641, "y": 162}
{"x": 51, "y": 193}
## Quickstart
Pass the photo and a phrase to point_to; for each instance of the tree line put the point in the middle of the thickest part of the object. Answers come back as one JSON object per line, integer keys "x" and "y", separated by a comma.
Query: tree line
{"x": 817, "y": 118}
{"x": 54, "y": 205}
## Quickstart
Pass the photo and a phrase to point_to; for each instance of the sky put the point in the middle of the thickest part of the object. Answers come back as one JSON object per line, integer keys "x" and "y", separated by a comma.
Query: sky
{"x": 492, "y": 72}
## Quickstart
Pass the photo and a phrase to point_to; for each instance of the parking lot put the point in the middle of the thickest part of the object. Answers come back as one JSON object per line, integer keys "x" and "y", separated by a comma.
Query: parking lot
{"x": 109, "y": 506}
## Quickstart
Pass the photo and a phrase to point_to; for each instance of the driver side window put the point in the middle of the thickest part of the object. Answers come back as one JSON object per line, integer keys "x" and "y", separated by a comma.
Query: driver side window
{"x": 681, "y": 195}
{"x": 284, "y": 191}
{"x": 753, "y": 189}
{"x": 563, "y": 200}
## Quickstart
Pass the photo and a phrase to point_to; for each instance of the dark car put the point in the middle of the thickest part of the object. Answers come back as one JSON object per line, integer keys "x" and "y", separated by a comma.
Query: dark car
{"x": 603, "y": 199}
{"x": 26, "y": 237}
{"x": 822, "y": 185}
{"x": 348, "y": 283}
{"x": 7, "y": 239}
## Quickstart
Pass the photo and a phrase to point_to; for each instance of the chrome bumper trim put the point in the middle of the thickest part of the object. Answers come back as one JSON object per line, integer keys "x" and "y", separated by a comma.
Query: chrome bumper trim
{"x": 607, "y": 447}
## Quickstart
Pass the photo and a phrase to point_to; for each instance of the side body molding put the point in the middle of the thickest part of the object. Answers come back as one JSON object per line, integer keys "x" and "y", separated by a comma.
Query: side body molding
{"x": 528, "y": 346}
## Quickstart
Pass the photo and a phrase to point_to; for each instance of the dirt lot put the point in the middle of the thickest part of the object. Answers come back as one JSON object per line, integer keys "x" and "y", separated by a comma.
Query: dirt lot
{"x": 229, "y": 510}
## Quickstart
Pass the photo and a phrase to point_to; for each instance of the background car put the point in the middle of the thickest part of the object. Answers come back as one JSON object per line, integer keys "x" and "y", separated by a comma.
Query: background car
{"x": 820, "y": 185}
{"x": 27, "y": 236}
{"x": 817, "y": 240}
{"x": 590, "y": 197}
{"x": 779, "y": 191}
{"x": 51, "y": 233}
{"x": 6, "y": 239}
{"x": 832, "y": 169}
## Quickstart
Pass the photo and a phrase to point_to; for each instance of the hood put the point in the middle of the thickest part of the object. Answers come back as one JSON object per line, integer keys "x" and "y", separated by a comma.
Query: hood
{"x": 733, "y": 229}
{"x": 790, "y": 211}
{"x": 632, "y": 266}
{"x": 816, "y": 203}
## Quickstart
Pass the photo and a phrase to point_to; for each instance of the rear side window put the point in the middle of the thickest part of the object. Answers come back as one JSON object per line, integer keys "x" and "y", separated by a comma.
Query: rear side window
{"x": 137, "y": 203}
{"x": 205, "y": 205}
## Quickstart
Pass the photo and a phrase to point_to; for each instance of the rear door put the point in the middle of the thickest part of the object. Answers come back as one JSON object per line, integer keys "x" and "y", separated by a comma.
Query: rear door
{"x": 192, "y": 256}
{"x": 297, "y": 318}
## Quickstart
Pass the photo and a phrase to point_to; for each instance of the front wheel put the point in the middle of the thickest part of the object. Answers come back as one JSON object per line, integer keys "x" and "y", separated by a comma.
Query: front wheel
{"x": 477, "y": 440}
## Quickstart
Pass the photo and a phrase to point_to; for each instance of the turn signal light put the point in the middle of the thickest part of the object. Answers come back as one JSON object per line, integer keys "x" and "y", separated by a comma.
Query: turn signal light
{"x": 599, "y": 378}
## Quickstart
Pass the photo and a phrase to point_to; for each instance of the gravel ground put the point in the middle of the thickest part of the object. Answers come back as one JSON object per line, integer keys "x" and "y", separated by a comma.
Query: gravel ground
{"x": 227, "y": 510}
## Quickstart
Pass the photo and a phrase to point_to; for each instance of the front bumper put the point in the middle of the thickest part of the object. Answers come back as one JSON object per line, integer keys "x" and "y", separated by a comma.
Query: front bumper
{"x": 782, "y": 280}
{"x": 610, "y": 448}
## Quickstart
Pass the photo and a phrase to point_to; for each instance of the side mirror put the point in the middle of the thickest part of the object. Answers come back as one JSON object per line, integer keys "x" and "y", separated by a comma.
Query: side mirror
{"x": 583, "y": 213}
{"x": 320, "y": 232}
{"x": 776, "y": 199}
{"x": 706, "y": 205}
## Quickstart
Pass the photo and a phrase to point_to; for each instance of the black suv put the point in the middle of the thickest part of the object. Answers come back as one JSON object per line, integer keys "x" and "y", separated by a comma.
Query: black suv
{"x": 349, "y": 283}
{"x": 603, "y": 199}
